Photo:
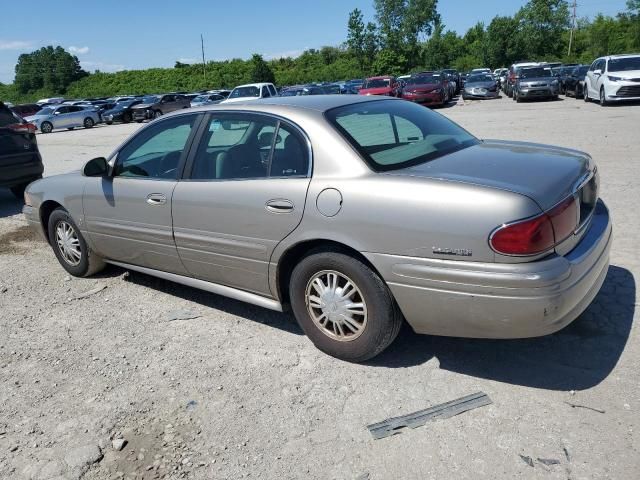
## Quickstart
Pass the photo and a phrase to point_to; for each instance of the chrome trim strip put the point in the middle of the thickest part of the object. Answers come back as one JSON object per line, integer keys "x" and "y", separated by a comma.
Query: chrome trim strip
{"x": 225, "y": 291}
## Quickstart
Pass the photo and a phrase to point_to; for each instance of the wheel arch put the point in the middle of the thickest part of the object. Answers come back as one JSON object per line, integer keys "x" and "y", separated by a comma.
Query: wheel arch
{"x": 46, "y": 209}
{"x": 295, "y": 253}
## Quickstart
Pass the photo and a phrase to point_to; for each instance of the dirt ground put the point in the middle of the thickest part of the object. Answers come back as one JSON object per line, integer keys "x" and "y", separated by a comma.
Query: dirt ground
{"x": 239, "y": 392}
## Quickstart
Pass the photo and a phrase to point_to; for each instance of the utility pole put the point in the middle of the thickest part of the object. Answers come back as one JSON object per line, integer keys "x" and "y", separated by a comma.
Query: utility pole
{"x": 573, "y": 26}
{"x": 204, "y": 65}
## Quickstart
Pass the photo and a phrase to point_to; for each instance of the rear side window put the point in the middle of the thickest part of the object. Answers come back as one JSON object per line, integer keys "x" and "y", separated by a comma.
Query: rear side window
{"x": 245, "y": 146}
{"x": 390, "y": 134}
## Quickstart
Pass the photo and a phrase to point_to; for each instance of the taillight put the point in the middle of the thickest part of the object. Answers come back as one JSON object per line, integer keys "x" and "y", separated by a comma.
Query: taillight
{"x": 22, "y": 127}
{"x": 564, "y": 218}
{"x": 538, "y": 234}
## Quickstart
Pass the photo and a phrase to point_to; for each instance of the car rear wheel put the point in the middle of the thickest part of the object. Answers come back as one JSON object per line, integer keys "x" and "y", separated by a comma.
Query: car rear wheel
{"x": 585, "y": 93}
{"x": 88, "y": 122}
{"x": 157, "y": 114}
{"x": 126, "y": 118}
{"x": 70, "y": 247}
{"x": 344, "y": 307}
{"x": 46, "y": 127}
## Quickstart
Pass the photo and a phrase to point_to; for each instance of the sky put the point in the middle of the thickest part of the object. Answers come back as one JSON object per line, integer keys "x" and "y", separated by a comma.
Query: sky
{"x": 112, "y": 35}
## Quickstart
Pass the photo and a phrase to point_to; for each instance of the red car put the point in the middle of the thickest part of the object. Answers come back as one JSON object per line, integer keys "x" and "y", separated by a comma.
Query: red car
{"x": 427, "y": 88}
{"x": 384, "y": 85}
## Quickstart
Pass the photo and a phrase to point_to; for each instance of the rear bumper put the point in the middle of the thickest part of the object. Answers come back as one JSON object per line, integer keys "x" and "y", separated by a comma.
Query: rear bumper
{"x": 20, "y": 172}
{"x": 487, "y": 94}
{"x": 497, "y": 300}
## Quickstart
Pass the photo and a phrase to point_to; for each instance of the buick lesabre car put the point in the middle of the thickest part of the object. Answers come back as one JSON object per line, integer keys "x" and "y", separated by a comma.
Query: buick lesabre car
{"x": 358, "y": 213}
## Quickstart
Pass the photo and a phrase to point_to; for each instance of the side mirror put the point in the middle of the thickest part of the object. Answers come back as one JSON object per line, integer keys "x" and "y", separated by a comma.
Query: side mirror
{"x": 597, "y": 72}
{"x": 97, "y": 167}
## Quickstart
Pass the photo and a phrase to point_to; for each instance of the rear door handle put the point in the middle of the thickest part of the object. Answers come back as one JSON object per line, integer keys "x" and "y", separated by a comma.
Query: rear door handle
{"x": 280, "y": 205}
{"x": 156, "y": 199}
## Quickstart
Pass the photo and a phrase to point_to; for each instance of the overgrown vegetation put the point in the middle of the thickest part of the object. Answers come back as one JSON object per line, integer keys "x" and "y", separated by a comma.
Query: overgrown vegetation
{"x": 407, "y": 35}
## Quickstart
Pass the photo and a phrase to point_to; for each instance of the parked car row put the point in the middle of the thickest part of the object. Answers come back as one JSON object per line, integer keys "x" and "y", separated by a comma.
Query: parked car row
{"x": 609, "y": 79}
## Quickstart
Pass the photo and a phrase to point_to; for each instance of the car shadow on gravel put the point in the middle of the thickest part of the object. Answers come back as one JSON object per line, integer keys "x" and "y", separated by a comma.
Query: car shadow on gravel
{"x": 209, "y": 300}
{"x": 9, "y": 204}
{"x": 578, "y": 357}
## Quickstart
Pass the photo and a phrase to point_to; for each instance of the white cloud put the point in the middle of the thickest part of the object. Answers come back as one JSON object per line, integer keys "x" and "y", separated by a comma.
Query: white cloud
{"x": 102, "y": 66}
{"x": 188, "y": 60}
{"x": 285, "y": 54}
{"x": 15, "y": 45}
{"x": 78, "y": 50}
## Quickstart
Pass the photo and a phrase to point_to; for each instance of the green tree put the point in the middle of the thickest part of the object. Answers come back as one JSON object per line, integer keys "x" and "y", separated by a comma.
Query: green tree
{"x": 500, "y": 48}
{"x": 49, "y": 68}
{"x": 401, "y": 26}
{"x": 260, "y": 70}
{"x": 541, "y": 25}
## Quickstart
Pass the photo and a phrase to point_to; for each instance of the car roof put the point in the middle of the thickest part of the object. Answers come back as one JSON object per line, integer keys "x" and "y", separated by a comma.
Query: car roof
{"x": 318, "y": 103}
{"x": 621, "y": 55}
{"x": 253, "y": 85}
{"x": 381, "y": 77}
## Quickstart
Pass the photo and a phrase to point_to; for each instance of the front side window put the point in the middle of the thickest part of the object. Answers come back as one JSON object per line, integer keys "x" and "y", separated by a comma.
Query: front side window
{"x": 239, "y": 146}
{"x": 241, "y": 92}
{"x": 156, "y": 151}
{"x": 265, "y": 92}
{"x": 391, "y": 135}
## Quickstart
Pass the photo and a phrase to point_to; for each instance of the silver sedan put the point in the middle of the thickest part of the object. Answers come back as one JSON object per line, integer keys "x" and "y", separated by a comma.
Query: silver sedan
{"x": 358, "y": 213}
{"x": 64, "y": 116}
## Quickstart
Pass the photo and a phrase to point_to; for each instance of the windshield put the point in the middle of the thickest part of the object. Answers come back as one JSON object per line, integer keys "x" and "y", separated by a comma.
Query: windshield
{"x": 479, "y": 78}
{"x": 376, "y": 83}
{"x": 581, "y": 71}
{"x": 391, "y": 135}
{"x": 423, "y": 79}
{"x": 241, "y": 92}
{"x": 624, "y": 64}
{"x": 535, "y": 72}
{"x": 151, "y": 99}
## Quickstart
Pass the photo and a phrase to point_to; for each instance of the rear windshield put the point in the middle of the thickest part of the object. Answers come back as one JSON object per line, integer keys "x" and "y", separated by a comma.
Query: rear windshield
{"x": 535, "y": 72}
{"x": 393, "y": 134}
{"x": 624, "y": 64}
{"x": 242, "y": 92}
{"x": 423, "y": 79}
{"x": 376, "y": 83}
{"x": 7, "y": 117}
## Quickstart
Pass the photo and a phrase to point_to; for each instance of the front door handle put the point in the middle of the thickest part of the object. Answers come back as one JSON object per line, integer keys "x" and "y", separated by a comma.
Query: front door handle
{"x": 280, "y": 205}
{"x": 156, "y": 199}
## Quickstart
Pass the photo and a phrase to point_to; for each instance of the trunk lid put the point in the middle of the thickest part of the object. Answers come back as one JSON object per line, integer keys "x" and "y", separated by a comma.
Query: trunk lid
{"x": 544, "y": 173}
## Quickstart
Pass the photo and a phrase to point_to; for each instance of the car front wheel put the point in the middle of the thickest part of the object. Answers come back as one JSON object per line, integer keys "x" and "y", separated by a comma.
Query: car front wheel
{"x": 603, "y": 98}
{"x": 88, "y": 122}
{"x": 343, "y": 306}
{"x": 70, "y": 247}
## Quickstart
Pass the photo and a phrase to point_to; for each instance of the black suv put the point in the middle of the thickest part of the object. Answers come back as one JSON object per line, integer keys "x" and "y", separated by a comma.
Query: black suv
{"x": 20, "y": 161}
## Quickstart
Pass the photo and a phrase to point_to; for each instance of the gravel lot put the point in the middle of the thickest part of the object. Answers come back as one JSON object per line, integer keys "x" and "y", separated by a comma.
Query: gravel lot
{"x": 239, "y": 392}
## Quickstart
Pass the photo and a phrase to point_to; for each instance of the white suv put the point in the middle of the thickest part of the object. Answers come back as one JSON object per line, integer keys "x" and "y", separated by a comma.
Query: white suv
{"x": 613, "y": 78}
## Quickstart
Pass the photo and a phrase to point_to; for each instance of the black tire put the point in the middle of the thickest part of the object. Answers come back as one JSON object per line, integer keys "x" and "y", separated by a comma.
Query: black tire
{"x": 585, "y": 94}
{"x": 109, "y": 123}
{"x": 88, "y": 122}
{"x": 46, "y": 127}
{"x": 603, "y": 98}
{"x": 138, "y": 121}
{"x": 383, "y": 317}
{"x": 126, "y": 118}
{"x": 70, "y": 128}
{"x": 157, "y": 114}
{"x": 89, "y": 262}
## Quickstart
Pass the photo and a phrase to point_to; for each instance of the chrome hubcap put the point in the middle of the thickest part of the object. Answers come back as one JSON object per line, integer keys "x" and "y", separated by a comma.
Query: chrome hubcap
{"x": 68, "y": 243}
{"x": 336, "y": 305}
